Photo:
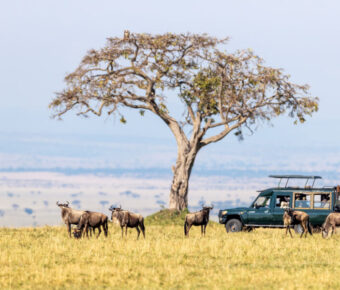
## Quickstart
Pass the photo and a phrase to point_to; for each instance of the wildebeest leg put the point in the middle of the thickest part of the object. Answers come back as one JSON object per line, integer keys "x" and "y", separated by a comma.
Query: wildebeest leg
{"x": 105, "y": 229}
{"x": 188, "y": 229}
{"x": 303, "y": 228}
{"x": 86, "y": 229}
{"x": 99, "y": 232}
{"x": 122, "y": 228}
{"x": 202, "y": 230}
{"x": 205, "y": 227}
{"x": 138, "y": 232}
{"x": 333, "y": 229}
{"x": 126, "y": 231}
{"x": 288, "y": 229}
{"x": 69, "y": 229}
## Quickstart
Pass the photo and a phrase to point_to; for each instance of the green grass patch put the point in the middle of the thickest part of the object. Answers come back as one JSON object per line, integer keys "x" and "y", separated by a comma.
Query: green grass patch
{"x": 167, "y": 217}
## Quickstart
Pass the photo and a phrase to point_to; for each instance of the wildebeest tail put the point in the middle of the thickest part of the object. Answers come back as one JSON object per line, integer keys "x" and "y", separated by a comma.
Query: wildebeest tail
{"x": 309, "y": 228}
{"x": 185, "y": 227}
{"x": 105, "y": 223}
{"x": 104, "y": 220}
{"x": 142, "y": 224}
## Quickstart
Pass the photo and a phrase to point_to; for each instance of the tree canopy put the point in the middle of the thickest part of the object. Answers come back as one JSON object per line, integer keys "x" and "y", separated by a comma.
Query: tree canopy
{"x": 220, "y": 91}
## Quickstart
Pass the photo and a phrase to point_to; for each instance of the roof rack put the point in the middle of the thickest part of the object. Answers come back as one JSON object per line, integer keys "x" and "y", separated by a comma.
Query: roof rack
{"x": 314, "y": 177}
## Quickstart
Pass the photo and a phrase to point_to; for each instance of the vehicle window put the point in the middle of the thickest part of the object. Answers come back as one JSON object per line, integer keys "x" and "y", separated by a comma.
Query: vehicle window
{"x": 262, "y": 201}
{"x": 322, "y": 201}
{"x": 302, "y": 200}
{"x": 282, "y": 201}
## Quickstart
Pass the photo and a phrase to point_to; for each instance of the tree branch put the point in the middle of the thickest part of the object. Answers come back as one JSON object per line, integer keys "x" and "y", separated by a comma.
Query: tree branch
{"x": 224, "y": 133}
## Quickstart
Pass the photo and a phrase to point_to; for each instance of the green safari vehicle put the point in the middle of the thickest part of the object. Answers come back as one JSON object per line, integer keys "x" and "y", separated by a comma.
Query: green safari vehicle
{"x": 268, "y": 208}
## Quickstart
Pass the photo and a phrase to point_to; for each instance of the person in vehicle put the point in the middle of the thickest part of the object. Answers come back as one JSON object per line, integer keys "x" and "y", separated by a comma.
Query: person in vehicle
{"x": 284, "y": 202}
{"x": 301, "y": 201}
{"x": 325, "y": 201}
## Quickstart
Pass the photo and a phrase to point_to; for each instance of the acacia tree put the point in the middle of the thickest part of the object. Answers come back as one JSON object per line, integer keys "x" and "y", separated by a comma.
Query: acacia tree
{"x": 220, "y": 92}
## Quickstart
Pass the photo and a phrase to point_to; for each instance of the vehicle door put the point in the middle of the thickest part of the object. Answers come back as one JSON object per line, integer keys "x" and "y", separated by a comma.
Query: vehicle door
{"x": 261, "y": 213}
{"x": 282, "y": 200}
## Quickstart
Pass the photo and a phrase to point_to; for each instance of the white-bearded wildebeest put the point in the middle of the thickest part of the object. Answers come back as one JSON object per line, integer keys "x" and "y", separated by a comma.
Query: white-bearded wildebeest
{"x": 128, "y": 220}
{"x": 199, "y": 218}
{"x": 69, "y": 215}
{"x": 95, "y": 220}
{"x": 332, "y": 221}
{"x": 295, "y": 217}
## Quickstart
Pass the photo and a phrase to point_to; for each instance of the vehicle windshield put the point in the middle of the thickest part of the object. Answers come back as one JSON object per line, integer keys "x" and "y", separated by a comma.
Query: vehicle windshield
{"x": 262, "y": 201}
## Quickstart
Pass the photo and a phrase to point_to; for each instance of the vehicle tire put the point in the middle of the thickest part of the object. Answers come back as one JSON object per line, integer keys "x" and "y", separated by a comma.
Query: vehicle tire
{"x": 298, "y": 229}
{"x": 233, "y": 225}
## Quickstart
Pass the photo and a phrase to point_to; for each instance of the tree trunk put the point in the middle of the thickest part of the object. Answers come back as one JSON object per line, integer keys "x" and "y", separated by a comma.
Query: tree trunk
{"x": 180, "y": 183}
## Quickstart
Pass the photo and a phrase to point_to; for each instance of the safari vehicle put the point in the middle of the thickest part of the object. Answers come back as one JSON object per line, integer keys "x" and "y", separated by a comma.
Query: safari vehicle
{"x": 268, "y": 208}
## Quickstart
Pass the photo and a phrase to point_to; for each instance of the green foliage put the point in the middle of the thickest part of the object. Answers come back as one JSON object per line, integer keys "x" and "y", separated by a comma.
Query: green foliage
{"x": 122, "y": 120}
{"x": 203, "y": 93}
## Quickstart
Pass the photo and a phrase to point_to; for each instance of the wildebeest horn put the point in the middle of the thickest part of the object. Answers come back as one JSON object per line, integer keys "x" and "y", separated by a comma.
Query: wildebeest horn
{"x": 57, "y": 203}
{"x": 67, "y": 203}
{"x": 111, "y": 208}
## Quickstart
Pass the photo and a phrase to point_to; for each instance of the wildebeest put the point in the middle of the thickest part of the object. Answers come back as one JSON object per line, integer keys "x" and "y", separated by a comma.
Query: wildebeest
{"x": 295, "y": 217}
{"x": 69, "y": 215}
{"x": 95, "y": 220}
{"x": 199, "y": 218}
{"x": 128, "y": 220}
{"x": 332, "y": 221}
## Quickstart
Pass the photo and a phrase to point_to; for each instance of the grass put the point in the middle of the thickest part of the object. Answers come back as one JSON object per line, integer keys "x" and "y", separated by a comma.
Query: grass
{"x": 39, "y": 258}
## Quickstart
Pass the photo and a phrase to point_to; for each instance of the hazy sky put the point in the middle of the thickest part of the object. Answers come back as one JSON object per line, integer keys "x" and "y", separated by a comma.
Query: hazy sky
{"x": 41, "y": 41}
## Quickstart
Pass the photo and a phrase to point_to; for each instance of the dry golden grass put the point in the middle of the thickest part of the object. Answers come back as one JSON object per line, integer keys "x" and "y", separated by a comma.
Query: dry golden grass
{"x": 36, "y": 258}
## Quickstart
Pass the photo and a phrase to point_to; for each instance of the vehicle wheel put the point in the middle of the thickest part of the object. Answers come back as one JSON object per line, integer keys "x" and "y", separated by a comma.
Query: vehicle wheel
{"x": 233, "y": 225}
{"x": 298, "y": 229}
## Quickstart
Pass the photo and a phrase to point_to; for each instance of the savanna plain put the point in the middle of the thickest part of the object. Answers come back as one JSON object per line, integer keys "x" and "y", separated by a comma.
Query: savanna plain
{"x": 45, "y": 257}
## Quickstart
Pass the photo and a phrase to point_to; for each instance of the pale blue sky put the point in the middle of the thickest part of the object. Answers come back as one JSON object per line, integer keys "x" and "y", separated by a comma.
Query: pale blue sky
{"x": 41, "y": 41}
